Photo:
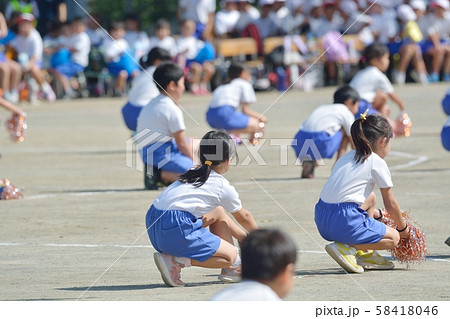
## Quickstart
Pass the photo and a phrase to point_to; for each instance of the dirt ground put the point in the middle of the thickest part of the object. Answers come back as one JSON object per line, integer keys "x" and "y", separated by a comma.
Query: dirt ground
{"x": 79, "y": 232}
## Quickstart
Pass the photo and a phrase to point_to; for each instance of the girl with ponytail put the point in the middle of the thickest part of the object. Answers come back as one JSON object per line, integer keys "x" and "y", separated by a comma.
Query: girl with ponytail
{"x": 346, "y": 213}
{"x": 178, "y": 219}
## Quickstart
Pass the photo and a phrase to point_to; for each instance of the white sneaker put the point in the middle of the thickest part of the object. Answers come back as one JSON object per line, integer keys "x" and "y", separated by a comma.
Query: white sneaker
{"x": 169, "y": 269}
{"x": 229, "y": 275}
{"x": 371, "y": 260}
{"x": 48, "y": 93}
{"x": 344, "y": 255}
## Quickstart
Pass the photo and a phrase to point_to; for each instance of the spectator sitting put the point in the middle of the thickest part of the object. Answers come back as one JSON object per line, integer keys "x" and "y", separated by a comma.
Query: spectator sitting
{"x": 202, "y": 12}
{"x": 200, "y": 66}
{"x": 96, "y": 34}
{"x": 162, "y": 38}
{"x": 266, "y": 23}
{"x": 79, "y": 46}
{"x": 226, "y": 19}
{"x": 22, "y": 6}
{"x": 119, "y": 59}
{"x": 248, "y": 14}
{"x": 28, "y": 45}
{"x": 137, "y": 39}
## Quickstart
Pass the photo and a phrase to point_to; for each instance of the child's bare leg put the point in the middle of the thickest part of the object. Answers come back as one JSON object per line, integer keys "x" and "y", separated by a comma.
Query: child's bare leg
{"x": 121, "y": 81}
{"x": 196, "y": 70}
{"x": 370, "y": 204}
{"x": 217, "y": 216}
{"x": 5, "y": 75}
{"x": 407, "y": 53}
{"x": 389, "y": 241}
{"x": 224, "y": 257}
{"x": 16, "y": 74}
{"x": 252, "y": 128}
{"x": 437, "y": 58}
{"x": 169, "y": 177}
{"x": 379, "y": 101}
{"x": 36, "y": 73}
{"x": 208, "y": 72}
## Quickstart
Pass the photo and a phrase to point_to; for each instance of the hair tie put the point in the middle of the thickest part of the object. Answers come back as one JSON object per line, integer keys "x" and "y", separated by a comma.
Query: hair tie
{"x": 209, "y": 163}
{"x": 363, "y": 115}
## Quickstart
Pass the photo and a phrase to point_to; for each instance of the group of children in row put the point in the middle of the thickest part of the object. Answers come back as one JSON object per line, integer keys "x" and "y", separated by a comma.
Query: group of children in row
{"x": 199, "y": 196}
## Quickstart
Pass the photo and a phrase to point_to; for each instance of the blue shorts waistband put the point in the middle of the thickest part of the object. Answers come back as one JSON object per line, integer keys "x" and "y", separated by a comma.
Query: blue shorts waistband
{"x": 344, "y": 205}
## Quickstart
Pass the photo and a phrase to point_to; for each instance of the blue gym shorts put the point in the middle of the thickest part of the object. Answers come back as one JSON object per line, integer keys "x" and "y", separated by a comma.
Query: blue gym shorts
{"x": 179, "y": 233}
{"x": 226, "y": 118}
{"x": 347, "y": 223}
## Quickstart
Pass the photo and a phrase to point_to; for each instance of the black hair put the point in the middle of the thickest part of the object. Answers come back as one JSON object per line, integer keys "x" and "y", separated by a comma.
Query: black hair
{"x": 133, "y": 16}
{"x": 344, "y": 93}
{"x": 166, "y": 73}
{"x": 235, "y": 70}
{"x": 367, "y": 132}
{"x": 154, "y": 54}
{"x": 265, "y": 253}
{"x": 77, "y": 19}
{"x": 162, "y": 23}
{"x": 216, "y": 147}
{"x": 373, "y": 51}
{"x": 116, "y": 25}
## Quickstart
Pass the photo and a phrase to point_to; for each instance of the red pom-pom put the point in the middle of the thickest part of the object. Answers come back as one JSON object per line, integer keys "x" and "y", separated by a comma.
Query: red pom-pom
{"x": 17, "y": 126}
{"x": 403, "y": 125}
{"x": 411, "y": 250}
{"x": 9, "y": 191}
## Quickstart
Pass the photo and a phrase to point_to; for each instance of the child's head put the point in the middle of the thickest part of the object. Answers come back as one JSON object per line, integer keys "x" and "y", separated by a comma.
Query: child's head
{"x": 376, "y": 54}
{"x": 155, "y": 57}
{"x": 78, "y": 25}
{"x": 66, "y": 29}
{"x": 440, "y": 7}
{"x": 405, "y": 13}
{"x": 94, "y": 20}
{"x": 216, "y": 150}
{"x": 162, "y": 28}
{"x": 187, "y": 28}
{"x": 25, "y": 24}
{"x": 239, "y": 70}
{"x": 348, "y": 96}
{"x": 371, "y": 133}
{"x": 419, "y": 7}
{"x": 169, "y": 78}
{"x": 269, "y": 256}
{"x": 117, "y": 30}
{"x": 132, "y": 22}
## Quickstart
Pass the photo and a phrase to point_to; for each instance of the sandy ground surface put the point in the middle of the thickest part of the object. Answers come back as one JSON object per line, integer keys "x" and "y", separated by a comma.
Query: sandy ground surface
{"x": 79, "y": 233}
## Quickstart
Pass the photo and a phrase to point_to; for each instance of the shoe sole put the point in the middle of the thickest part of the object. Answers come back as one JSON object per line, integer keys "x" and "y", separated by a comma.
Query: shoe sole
{"x": 228, "y": 279}
{"x": 368, "y": 266}
{"x": 338, "y": 258}
{"x": 159, "y": 261}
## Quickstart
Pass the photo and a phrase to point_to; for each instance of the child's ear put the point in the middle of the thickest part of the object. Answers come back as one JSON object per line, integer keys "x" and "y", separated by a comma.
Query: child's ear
{"x": 288, "y": 273}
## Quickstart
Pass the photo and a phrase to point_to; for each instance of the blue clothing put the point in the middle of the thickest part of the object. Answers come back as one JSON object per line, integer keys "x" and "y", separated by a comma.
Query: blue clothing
{"x": 60, "y": 57}
{"x": 69, "y": 69}
{"x": 347, "y": 223}
{"x": 125, "y": 63}
{"x": 446, "y": 104}
{"x": 227, "y": 118}
{"x": 168, "y": 155}
{"x": 363, "y": 106}
{"x": 179, "y": 233}
{"x": 130, "y": 113}
{"x": 445, "y": 137}
{"x": 326, "y": 145}
{"x": 199, "y": 29}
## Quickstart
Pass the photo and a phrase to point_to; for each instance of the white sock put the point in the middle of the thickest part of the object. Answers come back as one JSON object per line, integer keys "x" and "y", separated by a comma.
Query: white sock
{"x": 183, "y": 260}
{"x": 423, "y": 78}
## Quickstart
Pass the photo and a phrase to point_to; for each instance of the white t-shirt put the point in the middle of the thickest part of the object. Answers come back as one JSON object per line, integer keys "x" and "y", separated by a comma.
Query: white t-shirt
{"x": 31, "y": 45}
{"x": 225, "y": 21}
{"x": 161, "y": 115}
{"x": 191, "y": 45}
{"x": 82, "y": 44}
{"x": 143, "y": 88}
{"x": 323, "y": 26}
{"x": 115, "y": 49}
{"x": 267, "y": 26}
{"x": 197, "y": 10}
{"x": 368, "y": 81}
{"x": 199, "y": 201}
{"x": 247, "y": 290}
{"x": 385, "y": 26}
{"x": 351, "y": 182}
{"x": 329, "y": 118}
{"x": 247, "y": 17}
{"x": 233, "y": 94}
{"x": 168, "y": 43}
{"x": 97, "y": 36}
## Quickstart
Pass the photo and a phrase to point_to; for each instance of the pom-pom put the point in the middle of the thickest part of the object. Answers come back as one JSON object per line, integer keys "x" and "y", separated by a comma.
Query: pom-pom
{"x": 17, "y": 126}
{"x": 408, "y": 250}
{"x": 9, "y": 191}
{"x": 403, "y": 125}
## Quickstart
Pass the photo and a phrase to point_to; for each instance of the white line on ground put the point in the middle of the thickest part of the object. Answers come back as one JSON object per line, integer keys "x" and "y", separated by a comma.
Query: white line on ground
{"x": 416, "y": 160}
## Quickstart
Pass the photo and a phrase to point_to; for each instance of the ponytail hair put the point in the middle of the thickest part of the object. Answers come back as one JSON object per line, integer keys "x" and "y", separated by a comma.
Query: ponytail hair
{"x": 366, "y": 132}
{"x": 373, "y": 51}
{"x": 216, "y": 147}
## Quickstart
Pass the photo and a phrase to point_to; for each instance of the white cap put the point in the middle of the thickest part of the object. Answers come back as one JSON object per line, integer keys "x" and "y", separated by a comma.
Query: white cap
{"x": 265, "y": 2}
{"x": 349, "y": 7}
{"x": 418, "y": 4}
{"x": 441, "y": 3}
{"x": 405, "y": 13}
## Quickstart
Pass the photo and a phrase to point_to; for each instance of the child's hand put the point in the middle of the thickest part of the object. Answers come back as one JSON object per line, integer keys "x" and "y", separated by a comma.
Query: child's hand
{"x": 263, "y": 118}
{"x": 405, "y": 234}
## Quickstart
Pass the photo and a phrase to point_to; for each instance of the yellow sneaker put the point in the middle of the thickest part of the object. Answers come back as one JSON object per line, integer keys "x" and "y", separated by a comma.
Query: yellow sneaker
{"x": 344, "y": 255}
{"x": 372, "y": 260}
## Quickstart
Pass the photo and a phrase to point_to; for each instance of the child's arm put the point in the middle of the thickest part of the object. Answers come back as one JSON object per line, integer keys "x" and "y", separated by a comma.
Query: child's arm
{"x": 183, "y": 145}
{"x": 245, "y": 219}
{"x": 391, "y": 205}
{"x": 248, "y": 111}
{"x": 3, "y": 26}
{"x": 394, "y": 97}
{"x": 9, "y": 106}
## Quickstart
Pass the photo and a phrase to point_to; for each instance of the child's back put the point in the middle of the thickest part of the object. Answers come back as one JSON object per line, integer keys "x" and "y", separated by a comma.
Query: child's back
{"x": 368, "y": 81}
{"x": 233, "y": 94}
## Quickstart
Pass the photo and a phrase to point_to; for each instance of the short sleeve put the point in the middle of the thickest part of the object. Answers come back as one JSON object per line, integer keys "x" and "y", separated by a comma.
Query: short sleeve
{"x": 385, "y": 84}
{"x": 175, "y": 120}
{"x": 348, "y": 120}
{"x": 381, "y": 173}
{"x": 229, "y": 198}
